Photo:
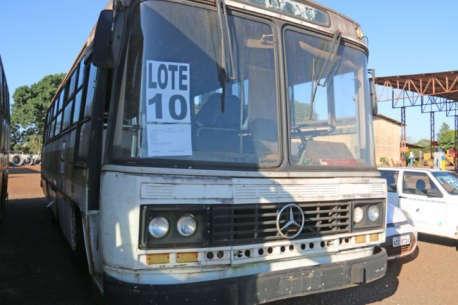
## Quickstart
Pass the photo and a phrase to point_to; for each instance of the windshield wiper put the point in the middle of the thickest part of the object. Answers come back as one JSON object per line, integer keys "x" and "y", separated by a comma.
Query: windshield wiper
{"x": 226, "y": 72}
{"x": 326, "y": 69}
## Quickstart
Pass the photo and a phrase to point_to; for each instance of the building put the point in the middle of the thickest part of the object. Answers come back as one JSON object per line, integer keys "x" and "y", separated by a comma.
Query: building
{"x": 387, "y": 141}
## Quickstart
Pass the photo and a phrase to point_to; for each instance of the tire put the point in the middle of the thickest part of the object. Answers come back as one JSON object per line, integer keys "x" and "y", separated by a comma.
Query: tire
{"x": 17, "y": 160}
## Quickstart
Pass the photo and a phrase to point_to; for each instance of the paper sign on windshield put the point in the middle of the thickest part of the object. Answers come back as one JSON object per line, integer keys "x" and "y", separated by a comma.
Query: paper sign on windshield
{"x": 168, "y": 94}
{"x": 168, "y": 109}
{"x": 169, "y": 140}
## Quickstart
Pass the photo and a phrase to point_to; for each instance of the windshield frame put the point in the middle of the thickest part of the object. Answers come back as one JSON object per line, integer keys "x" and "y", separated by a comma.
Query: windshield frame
{"x": 278, "y": 27}
{"x": 345, "y": 42}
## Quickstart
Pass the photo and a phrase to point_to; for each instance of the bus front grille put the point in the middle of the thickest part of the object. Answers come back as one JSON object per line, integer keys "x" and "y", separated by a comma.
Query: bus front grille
{"x": 257, "y": 223}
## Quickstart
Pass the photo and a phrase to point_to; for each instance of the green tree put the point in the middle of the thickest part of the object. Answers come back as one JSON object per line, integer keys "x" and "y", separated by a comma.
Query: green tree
{"x": 302, "y": 113}
{"x": 29, "y": 113}
{"x": 425, "y": 143}
{"x": 447, "y": 139}
{"x": 444, "y": 129}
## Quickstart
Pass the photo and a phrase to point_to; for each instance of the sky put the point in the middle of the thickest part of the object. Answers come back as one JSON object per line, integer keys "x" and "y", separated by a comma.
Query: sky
{"x": 405, "y": 37}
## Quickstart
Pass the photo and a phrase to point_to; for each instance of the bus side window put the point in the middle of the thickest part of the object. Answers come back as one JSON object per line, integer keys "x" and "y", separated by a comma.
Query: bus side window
{"x": 68, "y": 115}
{"x": 79, "y": 93}
{"x": 89, "y": 84}
{"x": 58, "y": 124}
{"x": 77, "y": 107}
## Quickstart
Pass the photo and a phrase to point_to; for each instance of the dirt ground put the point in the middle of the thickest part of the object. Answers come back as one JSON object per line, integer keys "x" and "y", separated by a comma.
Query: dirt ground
{"x": 37, "y": 267}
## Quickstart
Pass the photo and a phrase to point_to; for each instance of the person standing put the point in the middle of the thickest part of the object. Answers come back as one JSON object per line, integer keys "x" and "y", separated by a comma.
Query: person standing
{"x": 436, "y": 159}
{"x": 411, "y": 159}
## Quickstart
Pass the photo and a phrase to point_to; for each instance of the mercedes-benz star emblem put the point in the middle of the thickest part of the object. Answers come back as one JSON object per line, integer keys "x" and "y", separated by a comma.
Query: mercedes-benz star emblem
{"x": 290, "y": 221}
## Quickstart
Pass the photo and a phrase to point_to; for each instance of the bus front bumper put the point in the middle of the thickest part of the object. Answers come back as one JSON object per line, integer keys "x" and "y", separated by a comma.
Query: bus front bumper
{"x": 253, "y": 289}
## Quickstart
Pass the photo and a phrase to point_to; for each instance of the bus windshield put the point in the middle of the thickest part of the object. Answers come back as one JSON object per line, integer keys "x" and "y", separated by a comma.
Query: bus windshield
{"x": 178, "y": 105}
{"x": 329, "y": 103}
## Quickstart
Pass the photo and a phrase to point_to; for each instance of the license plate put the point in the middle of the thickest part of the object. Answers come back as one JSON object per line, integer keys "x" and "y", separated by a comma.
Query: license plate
{"x": 399, "y": 241}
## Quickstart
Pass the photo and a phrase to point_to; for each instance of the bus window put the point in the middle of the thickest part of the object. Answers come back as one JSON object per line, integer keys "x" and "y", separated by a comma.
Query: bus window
{"x": 233, "y": 122}
{"x": 77, "y": 108}
{"x": 91, "y": 83}
{"x": 81, "y": 74}
{"x": 52, "y": 127}
{"x": 67, "y": 115}
{"x": 73, "y": 82}
{"x": 58, "y": 124}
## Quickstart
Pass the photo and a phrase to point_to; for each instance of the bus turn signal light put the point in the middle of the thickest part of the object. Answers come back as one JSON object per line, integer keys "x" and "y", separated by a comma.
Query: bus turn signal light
{"x": 373, "y": 237}
{"x": 188, "y": 257}
{"x": 157, "y": 259}
{"x": 360, "y": 239}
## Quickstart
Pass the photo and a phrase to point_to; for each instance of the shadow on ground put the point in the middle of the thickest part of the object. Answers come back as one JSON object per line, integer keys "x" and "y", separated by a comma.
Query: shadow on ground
{"x": 438, "y": 240}
{"x": 362, "y": 295}
{"x": 36, "y": 265}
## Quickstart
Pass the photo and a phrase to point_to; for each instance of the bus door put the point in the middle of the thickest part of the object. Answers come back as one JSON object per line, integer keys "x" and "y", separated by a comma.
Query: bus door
{"x": 88, "y": 159}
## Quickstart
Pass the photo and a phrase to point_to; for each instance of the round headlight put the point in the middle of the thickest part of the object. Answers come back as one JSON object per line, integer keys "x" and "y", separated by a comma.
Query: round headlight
{"x": 358, "y": 215}
{"x": 158, "y": 227}
{"x": 186, "y": 225}
{"x": 373, "y": 213}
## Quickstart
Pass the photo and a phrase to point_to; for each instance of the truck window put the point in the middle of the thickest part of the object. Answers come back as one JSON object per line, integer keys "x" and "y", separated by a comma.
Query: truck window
{"x": 419, "y": 184}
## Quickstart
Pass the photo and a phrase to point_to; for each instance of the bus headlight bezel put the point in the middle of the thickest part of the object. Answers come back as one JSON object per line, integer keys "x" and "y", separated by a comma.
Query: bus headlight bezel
{"x": 187, "y": 222}
{"x": 367, "y": 223}
{"x": 373, "y": 213}
{"x": 159, "y": 227}
{"x": 358, "y": 215}
{"x": 174, "y": 238}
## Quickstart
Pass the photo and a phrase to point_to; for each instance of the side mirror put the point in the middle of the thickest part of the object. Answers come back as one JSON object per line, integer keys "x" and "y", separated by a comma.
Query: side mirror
{"x": 102, "y": 55}
{"x": 373, "y": 93}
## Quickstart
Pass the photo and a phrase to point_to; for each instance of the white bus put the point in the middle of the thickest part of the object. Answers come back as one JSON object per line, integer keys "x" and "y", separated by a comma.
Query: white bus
{"x": 218, "y": 153}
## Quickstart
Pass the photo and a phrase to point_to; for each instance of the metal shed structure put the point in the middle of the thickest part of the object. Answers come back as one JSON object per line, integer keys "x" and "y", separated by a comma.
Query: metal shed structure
{"x": 433, "y": 92}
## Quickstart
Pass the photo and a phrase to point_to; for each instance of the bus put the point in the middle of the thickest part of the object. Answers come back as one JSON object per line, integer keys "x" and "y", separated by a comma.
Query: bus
{"x": 203, "y": 152}
{"x": 4, "y": 139}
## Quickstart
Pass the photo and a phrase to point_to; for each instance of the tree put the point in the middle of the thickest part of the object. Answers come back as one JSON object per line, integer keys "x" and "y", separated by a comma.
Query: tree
{"x": 444, "y": 129}
{"x": 29, "y": 112}
{"x": 447, "y": 139}
{"x": 425, "y": 143}
{"x": 302, "y": 113}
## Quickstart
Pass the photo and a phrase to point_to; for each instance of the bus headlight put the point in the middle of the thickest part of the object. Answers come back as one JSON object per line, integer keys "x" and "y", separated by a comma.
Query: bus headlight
{"x": 358, "y": 215}
{"x": 178, "y": 226}
{"x": 158, "y": 227}
{"x": 187, "y": 225}
{"x": 373, "y": 213}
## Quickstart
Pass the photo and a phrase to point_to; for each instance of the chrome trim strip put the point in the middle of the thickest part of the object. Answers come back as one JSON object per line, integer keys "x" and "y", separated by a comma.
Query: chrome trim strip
{"x": 232, "y": 174}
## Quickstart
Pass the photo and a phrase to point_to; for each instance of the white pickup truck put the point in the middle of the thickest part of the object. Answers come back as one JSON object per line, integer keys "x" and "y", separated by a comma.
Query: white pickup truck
{"x": 401, "y": 236}
{"x": 429, "y": 198}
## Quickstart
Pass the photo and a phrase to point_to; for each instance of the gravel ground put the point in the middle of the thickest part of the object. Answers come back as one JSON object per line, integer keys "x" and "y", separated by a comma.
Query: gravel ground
{"x": 37, "y": 267}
